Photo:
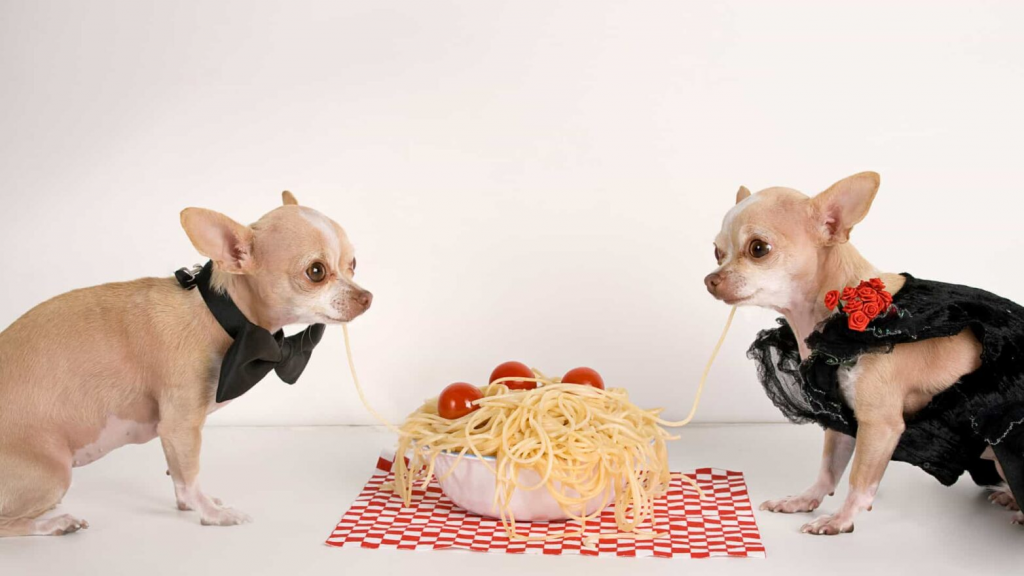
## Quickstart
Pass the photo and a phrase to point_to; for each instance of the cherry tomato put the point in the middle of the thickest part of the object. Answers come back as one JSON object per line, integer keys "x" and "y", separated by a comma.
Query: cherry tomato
{"x": 585, "y": 376}
{"x": 457, "y": 400}
{"x": 512, "y": 369}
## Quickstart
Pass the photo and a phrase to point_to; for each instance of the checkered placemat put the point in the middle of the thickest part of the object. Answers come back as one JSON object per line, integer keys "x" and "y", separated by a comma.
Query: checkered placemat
{"x": 721, "y": 525}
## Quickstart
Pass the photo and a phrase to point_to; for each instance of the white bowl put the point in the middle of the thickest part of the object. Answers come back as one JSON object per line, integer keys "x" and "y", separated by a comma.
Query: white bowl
{"x": 471, "y": 487}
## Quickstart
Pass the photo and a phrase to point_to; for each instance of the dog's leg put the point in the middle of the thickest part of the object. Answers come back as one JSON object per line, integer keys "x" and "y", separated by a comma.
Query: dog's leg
{"x": 879, "y": 410}
{"x": 30, "y": 487}
{"x": 1010, "y": 453}
{"x": 835, "y": 457}
{"x": 876, "y": 441}
{"x": 181, "y": 436}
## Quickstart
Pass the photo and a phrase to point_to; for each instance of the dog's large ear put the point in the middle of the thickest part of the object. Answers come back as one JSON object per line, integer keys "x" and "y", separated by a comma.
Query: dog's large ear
{"x": 841, "y": 207}
{"x": 742, "y": 194}
{"x": 219, "y": 238}
{"x": 289, "y": 199}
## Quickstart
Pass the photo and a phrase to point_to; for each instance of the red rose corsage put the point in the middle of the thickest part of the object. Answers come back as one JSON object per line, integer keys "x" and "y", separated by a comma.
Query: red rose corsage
{"x": 862, "y": 304}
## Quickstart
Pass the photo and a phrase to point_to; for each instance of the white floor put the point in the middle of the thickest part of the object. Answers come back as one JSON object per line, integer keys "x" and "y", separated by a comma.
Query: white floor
{"x": 296, "y": 483}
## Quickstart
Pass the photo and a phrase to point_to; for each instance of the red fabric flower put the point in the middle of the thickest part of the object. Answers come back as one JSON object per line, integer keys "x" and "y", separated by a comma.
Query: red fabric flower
{"x": 886, "y": 299}
{"x": 867, "y": 294}
{"x": 849, "y": 293}
{"x": 872, "y": 309}
{"x": 852, "y": 306}
{"x": 832, "y": 299}
{"x": 877, "y": 284}
{"x": 858, "y": 321}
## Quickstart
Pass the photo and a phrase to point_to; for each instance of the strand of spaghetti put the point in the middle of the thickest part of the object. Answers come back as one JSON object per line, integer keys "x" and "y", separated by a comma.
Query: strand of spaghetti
{"x": 704, "y": 376}
{"x": 359, "y": 388}
{"x": 693, "y": 483}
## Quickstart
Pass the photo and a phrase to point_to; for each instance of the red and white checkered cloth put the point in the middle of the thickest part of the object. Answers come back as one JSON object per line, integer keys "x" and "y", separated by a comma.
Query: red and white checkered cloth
{"x": 721, "y": 525}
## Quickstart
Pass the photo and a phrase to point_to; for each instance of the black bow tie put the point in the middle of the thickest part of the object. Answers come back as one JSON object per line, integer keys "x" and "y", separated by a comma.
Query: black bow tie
{"x": 255, "y": 351}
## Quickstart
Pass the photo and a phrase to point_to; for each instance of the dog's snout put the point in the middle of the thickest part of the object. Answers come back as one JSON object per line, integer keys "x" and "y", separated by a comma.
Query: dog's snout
{"x": 365, "y": 298}
{"x": 712, "y": 281}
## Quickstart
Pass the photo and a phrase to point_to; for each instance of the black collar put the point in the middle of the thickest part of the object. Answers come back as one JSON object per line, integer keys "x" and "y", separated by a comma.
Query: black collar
{"x": 255, "y": 351}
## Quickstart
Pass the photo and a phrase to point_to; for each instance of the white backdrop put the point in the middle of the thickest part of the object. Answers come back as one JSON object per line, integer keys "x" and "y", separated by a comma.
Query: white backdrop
{"x": 534, "y": 180}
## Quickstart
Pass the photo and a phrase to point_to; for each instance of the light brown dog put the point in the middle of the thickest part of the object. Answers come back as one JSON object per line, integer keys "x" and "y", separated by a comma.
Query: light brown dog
{"x": 98, "y": 368}
{"x": 782, "y": 250}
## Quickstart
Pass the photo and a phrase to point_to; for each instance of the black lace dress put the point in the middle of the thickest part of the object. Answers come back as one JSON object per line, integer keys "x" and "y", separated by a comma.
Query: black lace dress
{"x": 950, "y": 433}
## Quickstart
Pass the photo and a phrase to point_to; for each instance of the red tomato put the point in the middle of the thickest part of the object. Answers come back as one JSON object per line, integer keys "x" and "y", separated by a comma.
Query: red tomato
{"x": 457, "y": 400}
{"x": 585, "y": 376}
{"x": 512, "y": 369}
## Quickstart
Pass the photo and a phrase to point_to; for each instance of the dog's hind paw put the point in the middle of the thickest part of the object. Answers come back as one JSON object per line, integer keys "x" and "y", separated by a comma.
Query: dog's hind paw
{"x": 1001, "y": 495}
{"x": 62, "y": 525}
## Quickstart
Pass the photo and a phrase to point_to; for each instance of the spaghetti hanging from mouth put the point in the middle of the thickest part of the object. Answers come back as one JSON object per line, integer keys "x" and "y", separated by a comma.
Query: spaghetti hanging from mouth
{"x": 584, "y": 443}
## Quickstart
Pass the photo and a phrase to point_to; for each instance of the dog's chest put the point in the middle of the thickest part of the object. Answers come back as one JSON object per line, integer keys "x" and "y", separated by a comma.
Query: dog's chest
{"x": 115, "y": 433}
{"x": 213, "y": 381}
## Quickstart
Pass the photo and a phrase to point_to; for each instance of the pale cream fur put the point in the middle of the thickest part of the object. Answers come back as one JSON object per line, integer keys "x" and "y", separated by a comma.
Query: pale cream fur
{"x": 148, "y": 352}
{"x": 810, "y": 255}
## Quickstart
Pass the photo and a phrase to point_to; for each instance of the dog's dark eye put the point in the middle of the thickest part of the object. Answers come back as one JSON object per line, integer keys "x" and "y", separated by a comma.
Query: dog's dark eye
{"x": 316, "y": 272}
{"x": 718, "y": 255}
{"x": 352, "y": 266}
{"x": 759, "y": 248}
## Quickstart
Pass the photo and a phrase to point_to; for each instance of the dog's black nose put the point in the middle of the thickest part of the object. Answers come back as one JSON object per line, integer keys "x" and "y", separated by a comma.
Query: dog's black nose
{"x": 712, "y": 281}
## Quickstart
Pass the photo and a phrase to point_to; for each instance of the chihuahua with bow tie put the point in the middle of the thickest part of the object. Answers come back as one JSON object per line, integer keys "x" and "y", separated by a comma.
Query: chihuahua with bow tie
{"x": 95, "y": 369}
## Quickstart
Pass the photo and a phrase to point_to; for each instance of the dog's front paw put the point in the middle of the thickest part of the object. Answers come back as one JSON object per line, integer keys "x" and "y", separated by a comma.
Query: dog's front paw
{"x": 212, "y": 512}
{"x": 1018, "y": 518}
{"x": 792, "y": 504}
{"x": 829, "y": 525}
{"x": 224, "y": 516}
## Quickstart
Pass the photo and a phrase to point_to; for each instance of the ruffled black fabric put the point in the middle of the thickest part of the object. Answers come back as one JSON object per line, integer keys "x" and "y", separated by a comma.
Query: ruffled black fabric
{"x": 950, "y": 433}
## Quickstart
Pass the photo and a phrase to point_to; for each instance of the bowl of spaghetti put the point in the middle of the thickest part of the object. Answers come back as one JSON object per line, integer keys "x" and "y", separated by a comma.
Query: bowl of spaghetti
{"x": 533, "y": 448}
{"x": 556, "y": 452}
